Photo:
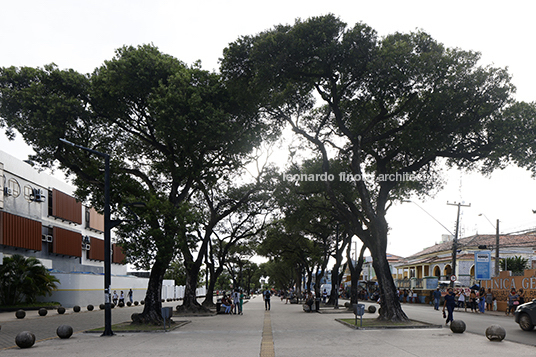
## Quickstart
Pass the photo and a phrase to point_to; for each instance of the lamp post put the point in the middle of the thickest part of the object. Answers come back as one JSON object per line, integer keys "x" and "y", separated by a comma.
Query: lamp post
{"x": 108, "y": 225}
{"x": 496, "y": 243}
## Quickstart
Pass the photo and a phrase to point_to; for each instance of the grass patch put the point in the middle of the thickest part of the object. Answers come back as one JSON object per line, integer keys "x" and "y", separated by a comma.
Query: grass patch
{"x": 130, "y": 327}
{"x": 378, "y": 324}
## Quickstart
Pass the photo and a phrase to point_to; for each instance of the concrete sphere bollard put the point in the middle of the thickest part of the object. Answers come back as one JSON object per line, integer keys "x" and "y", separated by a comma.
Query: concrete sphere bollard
{"x": 43, "y": 311}
{"x": 102, "y": 306}
{"x": 25, "y": 339}
{"x": 347, "y": 305}
{"x": 142, "y": 302}
{"x": 64, "y": 331}
{"x": 495, "y": 333}
{"x": 457, "y": 326}
{"x": 76, "y": 308}
{"x": 372, "y": 309}
{"x": 90, "y": 307}
{"x": 20, "y": 314}
{"x": 129, "y": 303}
{"x": 61, "y": 310}
{"x": 121, "y": 304}
{"x": 136, "y": 303}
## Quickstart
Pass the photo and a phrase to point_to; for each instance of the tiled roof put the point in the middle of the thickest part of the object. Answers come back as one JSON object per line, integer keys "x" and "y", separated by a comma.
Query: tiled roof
{"x": 505, "y": 241}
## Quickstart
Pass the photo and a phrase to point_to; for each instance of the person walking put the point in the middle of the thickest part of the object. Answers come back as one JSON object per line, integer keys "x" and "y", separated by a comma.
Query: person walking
{"x": 267, "y": 295}
{"x": 450, "y": 303}
{"x": 115, "y": 297}
{"x": 130, "y": 293}
{"x": 437, "y": 297}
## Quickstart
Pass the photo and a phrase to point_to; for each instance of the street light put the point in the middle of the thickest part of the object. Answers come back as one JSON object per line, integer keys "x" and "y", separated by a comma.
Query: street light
{"x": 108, "y": 225}
{"x": 496, "y": 243}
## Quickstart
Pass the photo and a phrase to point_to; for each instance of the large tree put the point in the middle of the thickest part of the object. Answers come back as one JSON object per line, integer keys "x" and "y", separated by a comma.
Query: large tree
{"x": 167, "y": 126}
{"x": 388, "y": 107}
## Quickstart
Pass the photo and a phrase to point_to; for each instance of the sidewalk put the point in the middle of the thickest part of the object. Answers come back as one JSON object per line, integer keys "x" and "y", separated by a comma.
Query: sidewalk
{"x": 286, "y": 329}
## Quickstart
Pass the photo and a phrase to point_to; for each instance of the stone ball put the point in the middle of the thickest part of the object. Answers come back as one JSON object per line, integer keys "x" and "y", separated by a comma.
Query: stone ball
{"x": 61, "y": 310}
{"x": 43, "y": 311}
{"x": 90, "y": 307}
{"x": 495, "y": 333}
{"x": 457, "y": 326}
{"x": 64, "y": 331}
{"x": 102, "y": 306}
{"x": 372, "y": 309}
{"x": 25, "y": 339}
{"x": 76, "y": 308}
{"x": 20, "y": 314}
{"x": 347, "y": 305}
{"x": 142, "y": 302}
{"x": 121, "y": 304}
{"x": 129, "y": 303}
{"x": 112, "y": 305}
{"x": 136, "y": 303}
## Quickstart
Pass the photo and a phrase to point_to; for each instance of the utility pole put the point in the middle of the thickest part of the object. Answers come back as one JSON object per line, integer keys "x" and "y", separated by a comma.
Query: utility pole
{"x": 455, "y": 241}
{"x": 497, "y": 249}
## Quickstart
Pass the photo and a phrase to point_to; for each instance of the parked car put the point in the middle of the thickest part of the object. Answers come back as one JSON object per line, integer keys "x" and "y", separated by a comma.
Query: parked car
{"x": 525, "y": 315}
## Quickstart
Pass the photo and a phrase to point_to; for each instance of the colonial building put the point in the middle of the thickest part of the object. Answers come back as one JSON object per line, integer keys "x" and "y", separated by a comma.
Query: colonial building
{"x": 435, "y": 262}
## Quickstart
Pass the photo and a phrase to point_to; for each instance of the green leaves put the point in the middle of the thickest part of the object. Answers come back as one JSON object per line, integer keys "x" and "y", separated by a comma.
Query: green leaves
{"x": 23, "y": 280}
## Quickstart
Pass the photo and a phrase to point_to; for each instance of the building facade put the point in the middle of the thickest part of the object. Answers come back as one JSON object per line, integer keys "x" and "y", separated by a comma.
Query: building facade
{"x": 39, "y": 217}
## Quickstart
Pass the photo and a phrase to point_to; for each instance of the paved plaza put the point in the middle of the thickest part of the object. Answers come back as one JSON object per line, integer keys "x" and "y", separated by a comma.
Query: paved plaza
{"x": 284, "y": 331}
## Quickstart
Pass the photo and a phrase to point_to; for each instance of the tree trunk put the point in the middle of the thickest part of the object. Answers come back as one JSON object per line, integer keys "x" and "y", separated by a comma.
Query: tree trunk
{"x": 152, "y": 310}
{"x": 209, "y": 298}
{"x": 355, "y": 272}
{"x": 390, "y": 310}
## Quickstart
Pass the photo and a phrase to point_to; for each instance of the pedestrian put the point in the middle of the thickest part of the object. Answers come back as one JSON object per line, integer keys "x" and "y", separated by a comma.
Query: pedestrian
{"x": 461, "y": 300}
{"x": 450, "y": 303}
{"x": 324, "y": 296}
{"x": 521, "y": 296}
{"x": 267, "y": 294}
{"x": 236, "y": 301}
{"x": 130, "y": 293}
{"x": 489, "y": 300}
{"x": 437, "y": 298}
{"x": 472, "y": 301}
{"x": 241, "y": 302}
{"x": 114, "y": 297}
{"x": 513, "y": 302}
{"x": 122, "y": 297}
{"x": 482, "y": 300}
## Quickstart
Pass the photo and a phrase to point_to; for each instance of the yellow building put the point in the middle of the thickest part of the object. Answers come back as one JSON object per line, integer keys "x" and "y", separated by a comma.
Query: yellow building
{"x": 435, "y": 263}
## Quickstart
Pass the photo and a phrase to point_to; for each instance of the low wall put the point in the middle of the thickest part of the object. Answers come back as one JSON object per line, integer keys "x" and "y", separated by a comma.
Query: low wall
{"x": 501, "y": 286}
{"x": 84, "y": 289}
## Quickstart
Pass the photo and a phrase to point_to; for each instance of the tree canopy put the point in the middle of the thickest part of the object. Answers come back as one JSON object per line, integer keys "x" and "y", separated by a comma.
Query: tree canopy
{"x": 169, "y": 129}
{"x": 388, "y": 107}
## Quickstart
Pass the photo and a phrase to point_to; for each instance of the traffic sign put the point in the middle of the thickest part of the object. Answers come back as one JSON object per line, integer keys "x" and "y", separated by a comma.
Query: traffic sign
{"x": 453, "y": 278}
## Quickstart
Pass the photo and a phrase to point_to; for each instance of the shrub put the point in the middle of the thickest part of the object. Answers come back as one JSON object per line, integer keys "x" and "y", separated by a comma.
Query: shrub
{"x": 23, "y": 280}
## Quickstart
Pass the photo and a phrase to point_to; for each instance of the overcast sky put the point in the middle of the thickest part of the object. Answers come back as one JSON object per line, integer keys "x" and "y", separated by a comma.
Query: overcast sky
{"x": 82, "y": 34}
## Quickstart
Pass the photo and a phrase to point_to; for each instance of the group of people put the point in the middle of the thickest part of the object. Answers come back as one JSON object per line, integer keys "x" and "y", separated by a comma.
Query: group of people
{"x": 477, "y": 301}
{"x": 233, "y": 302}
{"x": 121, "y": 298}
